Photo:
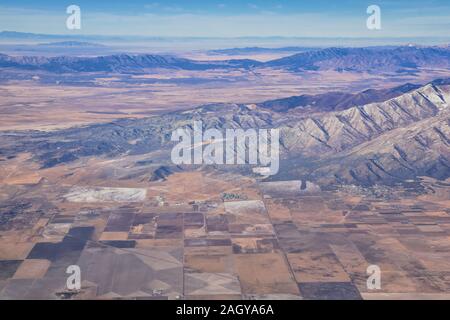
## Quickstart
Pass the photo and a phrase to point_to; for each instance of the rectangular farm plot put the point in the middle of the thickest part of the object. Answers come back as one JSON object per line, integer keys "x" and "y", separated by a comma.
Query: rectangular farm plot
{"x": 264, "y": 273}
{"x": 247, "y": 212}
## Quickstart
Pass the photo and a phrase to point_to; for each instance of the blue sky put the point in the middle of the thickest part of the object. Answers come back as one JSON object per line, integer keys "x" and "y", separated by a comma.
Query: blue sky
{"x": 230, "y": 18}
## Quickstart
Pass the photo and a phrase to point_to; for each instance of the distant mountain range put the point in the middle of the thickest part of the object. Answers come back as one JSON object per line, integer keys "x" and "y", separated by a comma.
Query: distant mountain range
{"x": 371, "y": 60}
{"x": 249, "y": 41}
{"x": 259, "y": 50}
{"x": 76, "y": 44}
{"x": 27, "y": 35}
{"x": 14, "y": 35}
{"x": 384, "y": 142}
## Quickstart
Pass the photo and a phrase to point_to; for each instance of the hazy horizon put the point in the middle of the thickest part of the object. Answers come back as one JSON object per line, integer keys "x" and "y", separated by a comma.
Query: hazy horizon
{"x": 174, "y": 18}
{"x": 174, "y": 43}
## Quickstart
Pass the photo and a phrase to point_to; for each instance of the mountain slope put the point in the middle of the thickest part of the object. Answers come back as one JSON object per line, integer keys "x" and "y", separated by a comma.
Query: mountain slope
{"x": 420, "y": 149}
{"x": 335, "y": 101}
{"x": 342, "y": 130}
{"x": 372, "y": 60}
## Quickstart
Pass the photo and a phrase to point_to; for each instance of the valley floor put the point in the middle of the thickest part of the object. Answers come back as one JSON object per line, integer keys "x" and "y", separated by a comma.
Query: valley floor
{"x": 203, "y": 235}
{"x": 48, "y": 102}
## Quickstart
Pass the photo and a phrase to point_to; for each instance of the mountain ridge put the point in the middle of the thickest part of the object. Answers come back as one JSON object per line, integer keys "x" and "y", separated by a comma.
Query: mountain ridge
{"x": 115, "y": 63}
{"x": 366, "y": 59}
{"x": 335, "y": 101}
{"x": 376, "y": 143}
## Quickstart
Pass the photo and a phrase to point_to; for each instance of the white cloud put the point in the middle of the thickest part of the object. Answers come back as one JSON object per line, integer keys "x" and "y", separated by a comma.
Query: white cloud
{"x": 152, "y": 5}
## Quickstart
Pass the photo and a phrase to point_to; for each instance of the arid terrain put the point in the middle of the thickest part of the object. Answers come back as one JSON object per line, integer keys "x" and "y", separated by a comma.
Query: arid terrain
{"x": 34, "y": 97}
{"x": 30, "y": 104}
{"x": 86, "y": 176}
{"x": 182, "y": 238}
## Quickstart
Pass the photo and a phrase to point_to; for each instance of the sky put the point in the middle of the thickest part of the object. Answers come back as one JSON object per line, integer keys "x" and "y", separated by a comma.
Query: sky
{"x": 230, "y": 18}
